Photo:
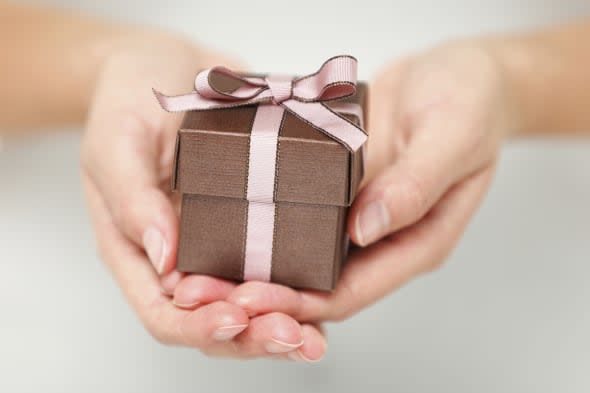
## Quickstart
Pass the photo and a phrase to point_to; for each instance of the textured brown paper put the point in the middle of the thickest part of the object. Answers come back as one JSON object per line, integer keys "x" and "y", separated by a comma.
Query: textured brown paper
{"x": 317, "y": 179}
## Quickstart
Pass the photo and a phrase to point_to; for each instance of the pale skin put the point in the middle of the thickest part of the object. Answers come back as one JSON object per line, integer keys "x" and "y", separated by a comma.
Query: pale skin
{"x": 437, "y": 121}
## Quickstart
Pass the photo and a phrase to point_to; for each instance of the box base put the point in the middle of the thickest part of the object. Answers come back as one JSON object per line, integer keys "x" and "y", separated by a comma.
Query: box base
{"x": 309, "y": 247}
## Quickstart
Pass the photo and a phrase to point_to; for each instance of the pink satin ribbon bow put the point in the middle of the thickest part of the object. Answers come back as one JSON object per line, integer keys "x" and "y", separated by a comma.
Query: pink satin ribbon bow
{"x": 305, "y": 97}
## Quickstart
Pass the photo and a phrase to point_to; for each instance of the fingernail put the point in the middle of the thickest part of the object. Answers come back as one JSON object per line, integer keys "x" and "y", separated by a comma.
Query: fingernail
{"x": 226, "y": 333}
{"x": 185, "y": 305}
{"x": 372, "y": 222}
{"x": 169, "y": 282}
{"x": 243, "y": 301}
{"x": 155, "y": 247}
{"x": 277, "y": 346}
{"x": 298, "y": 356}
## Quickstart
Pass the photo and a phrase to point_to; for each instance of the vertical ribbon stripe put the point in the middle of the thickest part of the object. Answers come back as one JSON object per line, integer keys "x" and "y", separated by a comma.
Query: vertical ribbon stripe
{"x": 261, "y": 183}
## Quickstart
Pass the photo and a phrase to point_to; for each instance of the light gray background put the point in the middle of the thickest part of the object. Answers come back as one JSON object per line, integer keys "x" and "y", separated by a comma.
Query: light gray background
{"x": 509, "y": 313}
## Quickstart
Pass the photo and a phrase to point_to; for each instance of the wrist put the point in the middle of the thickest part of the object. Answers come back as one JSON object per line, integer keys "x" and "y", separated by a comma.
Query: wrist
{"x": 513, "y": 64}
{"x": 154, "y": 56}
{"x": 547, "y": 78}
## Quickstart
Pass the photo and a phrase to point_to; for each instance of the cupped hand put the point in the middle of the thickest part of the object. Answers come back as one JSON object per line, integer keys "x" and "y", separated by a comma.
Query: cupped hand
{"x": 127, "y": 156}
{"x": 436, "y": 124}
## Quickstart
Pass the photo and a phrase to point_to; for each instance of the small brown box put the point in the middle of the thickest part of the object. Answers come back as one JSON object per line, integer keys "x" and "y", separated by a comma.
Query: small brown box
{"x": 316, "y": 181}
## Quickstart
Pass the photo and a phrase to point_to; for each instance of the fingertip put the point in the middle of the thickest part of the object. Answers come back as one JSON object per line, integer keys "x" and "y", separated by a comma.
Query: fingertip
{"x": 218, "y": 321}
{"x": 285, "y": 332}
{"x": 370, "y": 217}
{"x": 167, "y": 220}
{"x": 229, "y": 314}
{"x": 194, "y": 290}
{"x": 274, "y": 333}
{"x": 260, "y": 297}
{"x": 155, "y": 247}
{"x": 168, "y": 263}
{"x": 169, "y": 281}
{"x": 353, "y": 220}
{"x": 149, "y": 219}
{"x": 314, "y": 346}
{"x": 353, "y": 227}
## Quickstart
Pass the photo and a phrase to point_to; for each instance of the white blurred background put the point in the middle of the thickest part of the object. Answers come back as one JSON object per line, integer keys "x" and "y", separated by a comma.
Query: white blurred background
{"x": 509, "y": 312}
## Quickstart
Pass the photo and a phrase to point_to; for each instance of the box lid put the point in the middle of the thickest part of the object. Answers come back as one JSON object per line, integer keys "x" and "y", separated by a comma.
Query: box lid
{"x": 212, "y": 150}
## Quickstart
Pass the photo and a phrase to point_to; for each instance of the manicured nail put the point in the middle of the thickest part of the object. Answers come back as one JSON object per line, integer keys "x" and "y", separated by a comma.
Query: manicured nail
{"x": 169, "y": 282}
{"x": 298, "y": 356}
{"x": 185, "y": 305}
{"x": 155, "y": 247}
{"x": 243, "y": 301}
{"x": 226, "y": 333}
{"x": 372, "y": 222}
{"x": 277, "y": 346}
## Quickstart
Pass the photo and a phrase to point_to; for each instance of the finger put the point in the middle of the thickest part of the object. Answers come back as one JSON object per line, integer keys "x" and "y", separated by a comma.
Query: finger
{"x": 258, "y": 298}
{"x": 212, "y": 324}
{"x": 121, "y": 155}
{"x": 169, "y": 281}
{"x": 195, "y": 290}
{"x": 376, "y": 271}
{"x": 204, "y": 328}
{"x": 404, "y": 192}
{"x": 314, "y": 346}
{"x": 274, "y": 333}
{"x": 383, "y": 118}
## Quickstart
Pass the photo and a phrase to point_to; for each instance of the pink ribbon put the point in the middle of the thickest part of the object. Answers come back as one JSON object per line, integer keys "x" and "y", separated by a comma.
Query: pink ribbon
{"x": 306, "y": 98}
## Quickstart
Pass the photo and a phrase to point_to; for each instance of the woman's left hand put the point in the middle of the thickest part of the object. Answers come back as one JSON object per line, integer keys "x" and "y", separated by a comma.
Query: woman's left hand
{"x": 127, "y": 156}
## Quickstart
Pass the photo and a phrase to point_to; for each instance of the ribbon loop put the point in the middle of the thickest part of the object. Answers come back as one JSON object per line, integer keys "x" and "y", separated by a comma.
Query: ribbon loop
{"x": 219, "y": 83}
{"x": 335, "y": 79}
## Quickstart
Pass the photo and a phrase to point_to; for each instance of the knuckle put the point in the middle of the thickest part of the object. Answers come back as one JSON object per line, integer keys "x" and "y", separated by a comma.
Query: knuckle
{"x": 122, "y": 207}
{"x": 133, "y": 127}
{"x": 155, "y": 324}
{"x": 158, "y": 334}
{"x": 120, "y": 210}
{"x": 126, "y": 209}
{"x": 414, "y": 194}
{"x": 347, "y": 294}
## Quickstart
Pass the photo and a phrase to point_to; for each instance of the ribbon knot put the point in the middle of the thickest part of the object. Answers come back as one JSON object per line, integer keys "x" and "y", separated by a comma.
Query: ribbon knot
{"x": 280, "y": 86}
{"x": 305, "y": 97}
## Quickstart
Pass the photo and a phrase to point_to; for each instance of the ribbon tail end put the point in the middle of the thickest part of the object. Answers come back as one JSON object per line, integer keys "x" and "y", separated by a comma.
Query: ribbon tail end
{"x": 161, "y": 99}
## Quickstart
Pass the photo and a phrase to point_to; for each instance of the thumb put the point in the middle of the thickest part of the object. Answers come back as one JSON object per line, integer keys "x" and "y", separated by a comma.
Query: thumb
{"x": 122, "y": 160}
{"x": 404, "y": 192}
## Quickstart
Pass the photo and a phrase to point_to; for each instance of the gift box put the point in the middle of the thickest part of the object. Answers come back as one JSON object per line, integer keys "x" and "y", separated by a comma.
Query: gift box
{"x": 267, "y": 167}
